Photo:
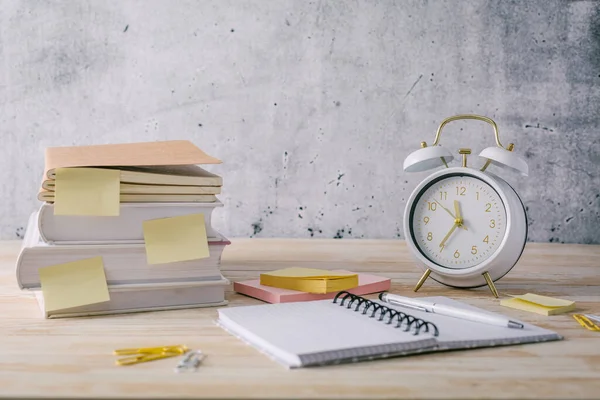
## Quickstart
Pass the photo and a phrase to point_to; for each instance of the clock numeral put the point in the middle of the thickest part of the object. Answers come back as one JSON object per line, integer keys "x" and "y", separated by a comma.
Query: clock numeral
{"x": 443, "y": 195}
{"x": 460, "y": 191}
{"x": 456, "y": 254}
{"x": 488, "y": 207}
{"x": 431, "y": 206}
{"x": 429, "y": 236}
{"x": 477, "y": 194}
{"x": 442, "y": 247}
{"x": 474, "y": 250}
{"x": 486, "y": 239}
{"x": 493, "y": 223}
{"x": 426, "y": 220}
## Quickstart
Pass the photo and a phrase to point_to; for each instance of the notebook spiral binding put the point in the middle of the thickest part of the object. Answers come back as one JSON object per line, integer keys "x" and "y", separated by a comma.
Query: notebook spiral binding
{"x": 409, "y": 321}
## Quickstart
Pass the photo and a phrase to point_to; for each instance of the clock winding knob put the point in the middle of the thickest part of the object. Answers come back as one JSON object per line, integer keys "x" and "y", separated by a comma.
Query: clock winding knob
{"x": 464, "y": 153}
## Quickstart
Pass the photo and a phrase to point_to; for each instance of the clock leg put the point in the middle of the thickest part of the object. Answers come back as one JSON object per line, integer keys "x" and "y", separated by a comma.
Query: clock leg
{"x": 490, "y": 283}
{"x": 422, "y": 280}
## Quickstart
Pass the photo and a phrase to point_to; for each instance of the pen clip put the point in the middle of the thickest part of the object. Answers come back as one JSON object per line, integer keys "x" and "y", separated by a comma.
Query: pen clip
{"x": 413, "y": 307}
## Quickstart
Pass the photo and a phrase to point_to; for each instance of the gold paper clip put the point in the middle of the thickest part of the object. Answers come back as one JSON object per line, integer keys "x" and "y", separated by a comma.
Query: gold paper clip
{"x": 145, "y": 354}
{"x": 586, "y": 322}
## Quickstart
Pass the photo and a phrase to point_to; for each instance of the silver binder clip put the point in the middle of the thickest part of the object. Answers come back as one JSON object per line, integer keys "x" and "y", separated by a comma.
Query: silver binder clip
{"x": 190, "y": 362}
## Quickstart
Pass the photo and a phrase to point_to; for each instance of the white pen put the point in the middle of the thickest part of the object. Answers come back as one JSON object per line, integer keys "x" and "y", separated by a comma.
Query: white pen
{"x": 449, "y": 311}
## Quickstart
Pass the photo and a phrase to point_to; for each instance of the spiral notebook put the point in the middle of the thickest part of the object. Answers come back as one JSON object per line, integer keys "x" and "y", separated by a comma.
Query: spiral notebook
{"x": 327, "y": 332}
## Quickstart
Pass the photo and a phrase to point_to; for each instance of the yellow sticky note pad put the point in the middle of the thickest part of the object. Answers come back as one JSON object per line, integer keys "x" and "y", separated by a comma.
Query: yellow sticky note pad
{"x": 538, "y": 304}
{"x": 175, "y": 239}
{"x": 309, "y": 280}
{"x": 306, "y": 273}
{"x": 74, "y": 284}
{"x": 87, "y": 191}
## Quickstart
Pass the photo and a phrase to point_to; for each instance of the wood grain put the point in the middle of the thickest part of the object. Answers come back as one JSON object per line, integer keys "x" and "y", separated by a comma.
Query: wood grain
{"x": 73, "y": 357}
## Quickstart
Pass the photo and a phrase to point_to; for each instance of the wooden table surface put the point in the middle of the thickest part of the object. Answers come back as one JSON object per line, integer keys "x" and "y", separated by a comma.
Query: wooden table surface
{"x": 73, "y": 357}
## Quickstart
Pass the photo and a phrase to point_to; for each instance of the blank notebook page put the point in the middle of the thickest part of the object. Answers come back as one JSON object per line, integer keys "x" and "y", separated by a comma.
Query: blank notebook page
{"x": 304, "y": 333}
{"x": 322, "y": 332}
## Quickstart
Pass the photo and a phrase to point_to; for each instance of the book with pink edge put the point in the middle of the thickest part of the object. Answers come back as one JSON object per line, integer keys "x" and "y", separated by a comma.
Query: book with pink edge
{"x": 367, "y": 284}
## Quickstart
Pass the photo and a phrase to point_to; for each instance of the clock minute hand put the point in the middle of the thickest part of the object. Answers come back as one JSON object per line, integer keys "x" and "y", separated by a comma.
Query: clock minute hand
{"x": 448, "y": 234}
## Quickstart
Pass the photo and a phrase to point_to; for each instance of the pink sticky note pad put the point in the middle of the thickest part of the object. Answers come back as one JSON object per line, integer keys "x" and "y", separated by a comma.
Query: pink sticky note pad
{"x": 367, "y": 284}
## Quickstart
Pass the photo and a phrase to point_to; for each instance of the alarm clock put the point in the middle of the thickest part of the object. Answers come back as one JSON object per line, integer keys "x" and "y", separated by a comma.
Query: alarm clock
{"x": 465, "y": 226}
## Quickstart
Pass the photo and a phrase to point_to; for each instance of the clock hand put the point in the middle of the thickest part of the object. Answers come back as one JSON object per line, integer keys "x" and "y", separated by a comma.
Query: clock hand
{"x": 442, "y": 243}
{"x": 458, "y": 215}
{"x": 457, "y": 209}
{"x": 450, "y": 212}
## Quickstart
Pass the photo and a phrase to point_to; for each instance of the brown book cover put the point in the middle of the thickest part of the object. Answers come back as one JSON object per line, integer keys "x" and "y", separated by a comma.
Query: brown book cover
{"x": 161, "y": 153}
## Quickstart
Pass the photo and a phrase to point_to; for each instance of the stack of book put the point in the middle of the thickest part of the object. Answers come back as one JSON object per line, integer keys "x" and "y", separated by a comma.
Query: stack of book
{"x": 124, "y": 228}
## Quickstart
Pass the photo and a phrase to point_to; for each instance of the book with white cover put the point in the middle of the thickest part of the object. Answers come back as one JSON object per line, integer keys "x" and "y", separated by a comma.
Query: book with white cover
{"x": 147, "y": 297}
{"x": 126, "y": 227}
{"x": 123, "y": 263}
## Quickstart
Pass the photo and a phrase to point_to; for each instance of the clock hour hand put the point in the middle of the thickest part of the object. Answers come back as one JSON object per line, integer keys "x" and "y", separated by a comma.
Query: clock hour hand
{"x": 449, "y": 212}
{"x": 459, "y": 217}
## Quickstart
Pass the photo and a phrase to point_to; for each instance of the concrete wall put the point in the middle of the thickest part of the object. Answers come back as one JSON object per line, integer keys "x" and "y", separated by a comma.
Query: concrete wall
{"x": 312, "y": 105}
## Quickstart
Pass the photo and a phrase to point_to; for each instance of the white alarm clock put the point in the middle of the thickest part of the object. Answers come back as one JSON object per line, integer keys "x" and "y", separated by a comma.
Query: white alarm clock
{"x": 465, "y": 226}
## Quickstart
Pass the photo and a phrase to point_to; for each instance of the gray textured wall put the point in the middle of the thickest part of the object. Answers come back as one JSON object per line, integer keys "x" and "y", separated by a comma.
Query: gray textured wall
{"x": 313, "y": 106}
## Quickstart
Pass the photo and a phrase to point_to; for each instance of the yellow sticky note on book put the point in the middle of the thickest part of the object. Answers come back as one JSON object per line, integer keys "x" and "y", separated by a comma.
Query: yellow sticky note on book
{"x": 87, "y": 191}
{"x": 309, "y": 280}
{"x": 536, "y": 303}
{"x": 173, "y": 239}
{"x": 74, "y": 284}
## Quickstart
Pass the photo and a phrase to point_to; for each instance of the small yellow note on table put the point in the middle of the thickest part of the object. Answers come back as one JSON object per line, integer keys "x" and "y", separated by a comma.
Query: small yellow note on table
{"x": 74, "y": 284}
{"x": 309, "y": 280}
{"x": 175, "y": 239}
{"x": 87, "y": 191}
{"x": 535, "y": 303}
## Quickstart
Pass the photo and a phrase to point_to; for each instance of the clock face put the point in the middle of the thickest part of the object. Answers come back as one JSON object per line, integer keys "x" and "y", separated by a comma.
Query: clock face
{"x": 460, "y": 240}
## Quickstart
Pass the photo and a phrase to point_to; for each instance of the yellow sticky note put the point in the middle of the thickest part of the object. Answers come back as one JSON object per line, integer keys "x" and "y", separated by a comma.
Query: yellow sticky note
{"x": 87, "y": 191}
{"x": 538, "y": 304}
{"x": 74, "y": 284}
{"x": 544, "y": 300}
{"x": 175, "y": 239}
